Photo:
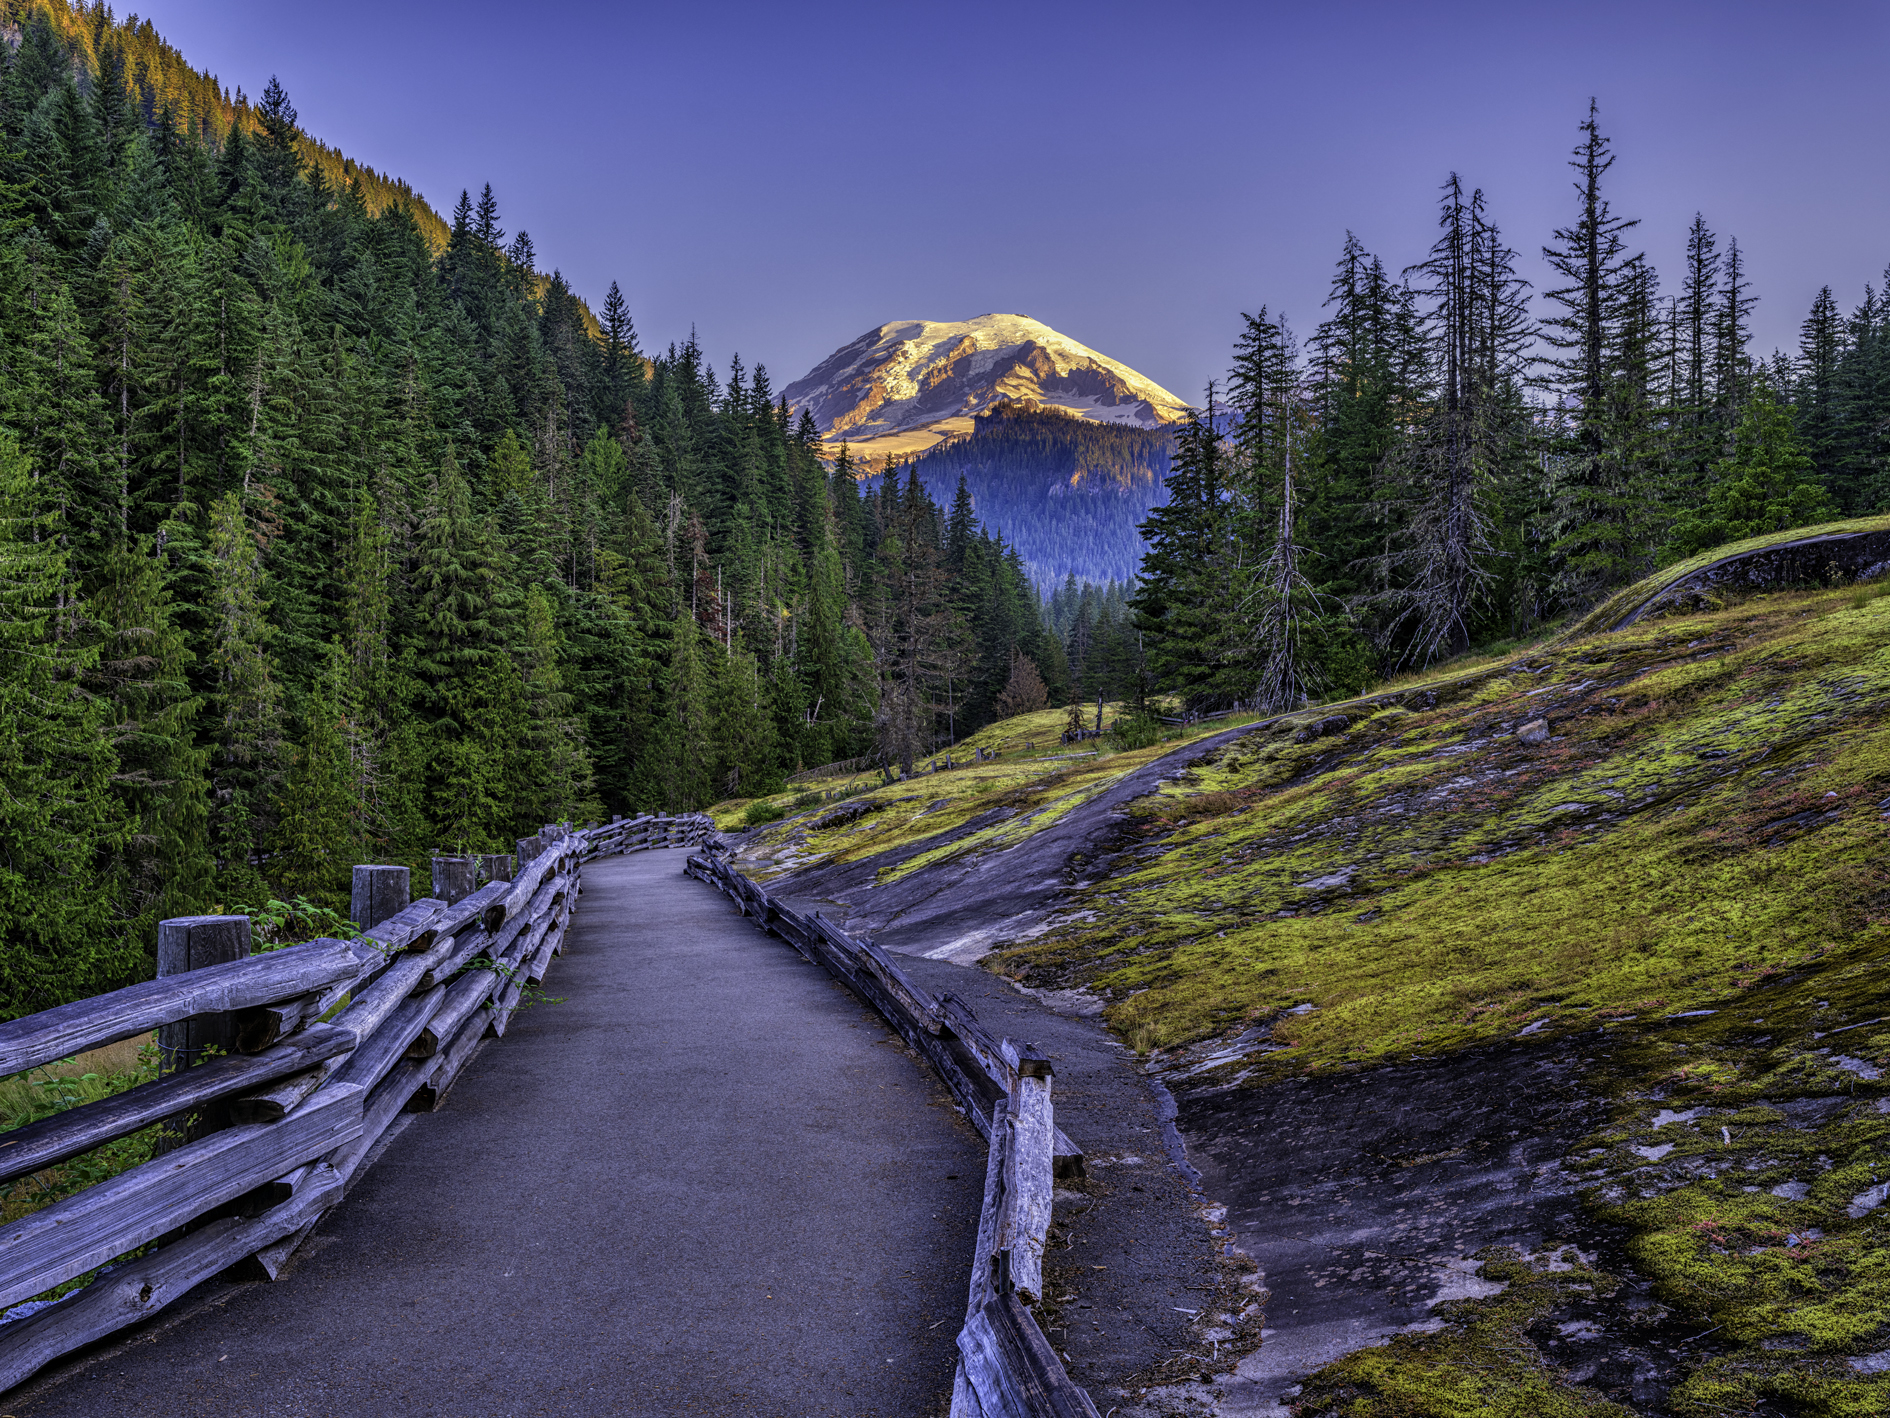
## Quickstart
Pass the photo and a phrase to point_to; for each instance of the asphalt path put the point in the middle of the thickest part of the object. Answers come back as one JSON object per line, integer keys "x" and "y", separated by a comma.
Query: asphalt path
{"x": 704, "y": 1181}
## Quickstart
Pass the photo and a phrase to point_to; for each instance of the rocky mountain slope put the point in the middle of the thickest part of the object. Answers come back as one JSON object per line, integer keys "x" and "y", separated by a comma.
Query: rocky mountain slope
{"x": 1528, "y": 1023}
{"x": 910, "y": 384}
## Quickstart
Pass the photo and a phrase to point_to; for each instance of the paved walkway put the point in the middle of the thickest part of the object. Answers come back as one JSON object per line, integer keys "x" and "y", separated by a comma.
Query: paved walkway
{"x": 706, "y": 1182}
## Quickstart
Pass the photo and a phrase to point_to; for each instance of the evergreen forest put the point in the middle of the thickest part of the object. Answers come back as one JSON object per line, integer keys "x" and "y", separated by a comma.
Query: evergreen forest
{"x": 336, "y": 532}
{"x": 1070, "y": 493}
{"x": 1455, "y": 460}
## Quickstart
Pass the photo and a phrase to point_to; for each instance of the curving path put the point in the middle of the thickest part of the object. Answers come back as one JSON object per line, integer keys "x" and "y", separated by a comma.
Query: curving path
{"x": 707, "y": 1181}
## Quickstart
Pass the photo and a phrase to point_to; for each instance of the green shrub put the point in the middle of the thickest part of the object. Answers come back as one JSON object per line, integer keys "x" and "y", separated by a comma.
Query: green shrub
{"x": 760, "y": 811}
{"x": 1135, "y": 731}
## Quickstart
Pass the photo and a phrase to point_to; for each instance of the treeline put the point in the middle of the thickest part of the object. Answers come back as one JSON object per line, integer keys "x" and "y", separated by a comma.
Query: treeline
{"x": 319, "y": 547}
{"x": 162, "y": 85}
{"x": 1069, "y": 493}
{"x": 1449, "y": 462}
{"x": 1096, "y": 624}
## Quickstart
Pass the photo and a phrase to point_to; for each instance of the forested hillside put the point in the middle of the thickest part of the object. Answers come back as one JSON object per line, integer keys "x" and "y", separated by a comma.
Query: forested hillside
{"x": 323, "y": 546}
{"x": 161, "y": 84}
{"x": 1069, "y": 493}
{"x": 1449, "y": 462}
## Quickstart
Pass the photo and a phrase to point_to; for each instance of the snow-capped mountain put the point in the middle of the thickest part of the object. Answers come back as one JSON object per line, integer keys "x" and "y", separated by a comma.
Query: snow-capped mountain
{"x": 912, "y": 383}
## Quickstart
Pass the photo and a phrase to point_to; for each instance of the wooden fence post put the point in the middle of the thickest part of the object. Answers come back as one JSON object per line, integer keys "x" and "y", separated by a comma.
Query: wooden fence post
{"x": 528, "y": 849}
{"x": 379, "y": 892}
{"x": 453, "y": 878}
{"x": 190, "y": 943}
{"x": 496, "y": 866}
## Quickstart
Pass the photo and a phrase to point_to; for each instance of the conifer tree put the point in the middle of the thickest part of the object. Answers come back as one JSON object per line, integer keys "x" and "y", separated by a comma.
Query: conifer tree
{"x": 1815, "y": 393}
{"x": 1024, "y": 691}
{"x": 322, "y": 814}
{"x": 245, "y": 766}
{"x": 58, "y": 822}
{"x": 1765, "y": 484}
{"x": 140, "y": 680}
{"x": 1594, "y": 537}
{"x": 1181, "y": 599}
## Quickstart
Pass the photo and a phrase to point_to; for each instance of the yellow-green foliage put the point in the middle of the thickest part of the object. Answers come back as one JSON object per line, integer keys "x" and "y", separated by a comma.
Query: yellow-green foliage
{"x": 1024, "y": 791}
{"x": 1705, "y": 831}
{"x": 1428, "y": 880}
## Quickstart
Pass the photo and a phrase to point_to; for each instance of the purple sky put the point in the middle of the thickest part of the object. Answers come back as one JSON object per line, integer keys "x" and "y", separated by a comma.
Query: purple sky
{"x": 785, "y": 178}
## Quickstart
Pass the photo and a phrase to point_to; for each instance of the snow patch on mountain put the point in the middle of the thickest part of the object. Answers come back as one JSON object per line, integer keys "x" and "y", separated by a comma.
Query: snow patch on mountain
{"x": 911, "y": 383}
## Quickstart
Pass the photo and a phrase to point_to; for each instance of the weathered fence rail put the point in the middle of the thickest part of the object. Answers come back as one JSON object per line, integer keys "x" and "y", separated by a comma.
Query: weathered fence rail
{"x": 325, "y": 1045}
{"x": 1007, "y": 1368}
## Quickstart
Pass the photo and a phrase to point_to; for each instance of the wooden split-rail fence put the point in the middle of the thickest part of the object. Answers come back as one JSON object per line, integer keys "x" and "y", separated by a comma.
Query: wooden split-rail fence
{"x": 280, "y": 1072}
{"x": 1007, "y": 1367}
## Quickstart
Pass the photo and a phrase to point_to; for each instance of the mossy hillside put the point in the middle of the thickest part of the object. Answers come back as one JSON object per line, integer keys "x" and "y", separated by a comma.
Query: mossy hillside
{"x": 1019, "y": 792}
{"x": 1705, "y": 814}
{"x": 1703, "y": 832}
{"x": 1486, "y": 1360}
{"x": 1745, "y": 1165}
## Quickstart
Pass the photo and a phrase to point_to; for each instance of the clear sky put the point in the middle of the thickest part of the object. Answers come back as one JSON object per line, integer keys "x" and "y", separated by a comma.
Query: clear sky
{"x": 786, "y": 177}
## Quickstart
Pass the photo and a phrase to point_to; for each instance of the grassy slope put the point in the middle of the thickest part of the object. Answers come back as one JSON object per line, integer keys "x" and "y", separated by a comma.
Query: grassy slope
{"x": 1043, "y": 784}
{"x": 1705, "y": 815}
{"x": 1704, "y": 830}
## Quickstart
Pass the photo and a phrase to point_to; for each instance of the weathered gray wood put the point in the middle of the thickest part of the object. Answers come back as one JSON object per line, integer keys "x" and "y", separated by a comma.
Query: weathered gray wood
{"x": 438, "y": 952}
{"x": 964, "y": 1397}
{"x": 483, "y": 909}
{"x": 1013, "y": 1369}
{"x": 1024, "y": 1219}
{"x": 503, "y": 1007}
{"x": 469, "y": 944}
{"x": 84, "y": 1231}
{"x": 411, "y": 929}
{"x": 428, "y": 1097}
{"x": 454, "y": 878}
{"x": 187, "y": 943}
{"x": 497, "y": 946}
{"x": 374, "y": 1056}
{"x": 258, "y": 1028}
{"x": 496, "y": 866}
{"x": 1066, "y": 1158}
{"x": 364, "y": 1017}
{"x": 529, "y": 850}
{"x": 281, "y": 1099}
{"x": 531, "y": 875}
{"x": 105, "y": 1019}
{"x": 965, "y": 1026}
{"x": 990, "y": 1214}
{"x": 525, "y": 947}
{"x": 541, "y": 962}
{"x": 462, "y": 997}
{"x": 384, "y": 996}
{"x": 379, "y": 892}
{"x": 53, "y": 1140}
{"x": 384, "y": 1105}
{"x": 139, "y": 1289}
{"x": 916, "y": 1000}
{"x": 1025, "y": 1059}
